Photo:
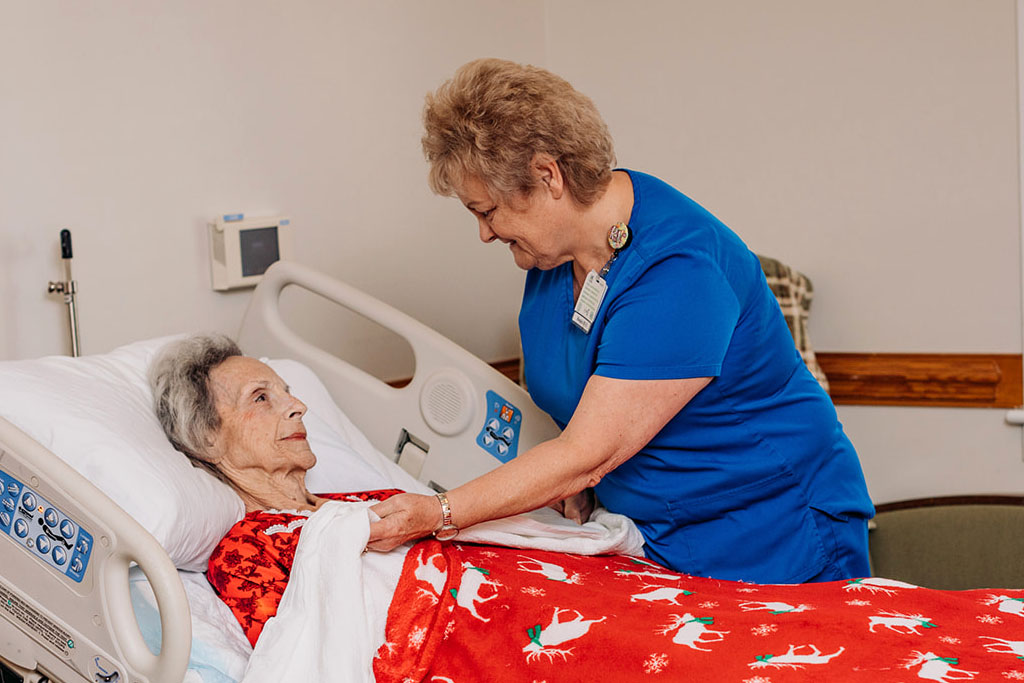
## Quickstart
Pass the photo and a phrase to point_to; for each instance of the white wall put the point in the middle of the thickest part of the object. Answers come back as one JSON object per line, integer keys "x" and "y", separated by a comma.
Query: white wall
{"x": 873, "y": 145}
{"x": 133, "y": 123}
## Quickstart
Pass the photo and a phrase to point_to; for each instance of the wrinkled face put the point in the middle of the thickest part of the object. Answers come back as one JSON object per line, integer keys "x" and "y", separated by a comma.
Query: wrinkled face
{"x": 528, "y": 226}
{"x": 261, "y": 423}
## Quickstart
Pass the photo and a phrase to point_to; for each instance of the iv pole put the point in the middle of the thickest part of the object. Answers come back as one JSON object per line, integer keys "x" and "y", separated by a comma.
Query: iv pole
{"x": 68, "y": 288}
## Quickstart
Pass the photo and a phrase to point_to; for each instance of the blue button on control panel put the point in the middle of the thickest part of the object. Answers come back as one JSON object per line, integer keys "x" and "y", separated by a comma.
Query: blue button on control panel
{"x": 500, "y": 433}
{"x": 67, "y": 529}
{"x": 43, "y": 529}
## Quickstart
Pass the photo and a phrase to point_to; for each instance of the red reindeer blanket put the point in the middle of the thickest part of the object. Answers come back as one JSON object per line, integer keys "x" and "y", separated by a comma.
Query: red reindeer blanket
{"x": 465, "y": 614}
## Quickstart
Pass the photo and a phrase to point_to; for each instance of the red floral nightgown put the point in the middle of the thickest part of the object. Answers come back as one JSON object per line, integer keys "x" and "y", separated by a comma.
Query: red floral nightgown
{"x": 250, "y": 567}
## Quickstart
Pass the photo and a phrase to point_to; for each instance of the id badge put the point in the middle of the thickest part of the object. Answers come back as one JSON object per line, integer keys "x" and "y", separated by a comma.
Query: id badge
{"x": 589, "y": 302}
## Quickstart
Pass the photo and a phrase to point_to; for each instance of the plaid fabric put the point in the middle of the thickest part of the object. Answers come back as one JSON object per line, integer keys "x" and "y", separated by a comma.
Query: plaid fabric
{"x": 794, "y": 292}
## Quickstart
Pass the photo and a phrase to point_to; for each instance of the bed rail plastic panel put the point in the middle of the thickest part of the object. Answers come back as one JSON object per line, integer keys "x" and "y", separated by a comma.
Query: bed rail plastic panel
{"x": 65, "y": 551}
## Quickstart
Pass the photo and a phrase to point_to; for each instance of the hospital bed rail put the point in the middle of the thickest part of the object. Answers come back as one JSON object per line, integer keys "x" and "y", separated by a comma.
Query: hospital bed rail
{"x": 71, "y": 621}
{"x": 458, "y": 417}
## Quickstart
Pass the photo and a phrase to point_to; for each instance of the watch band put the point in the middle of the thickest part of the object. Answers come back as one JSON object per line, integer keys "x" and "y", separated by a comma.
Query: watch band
{"x": 447, "y": 530}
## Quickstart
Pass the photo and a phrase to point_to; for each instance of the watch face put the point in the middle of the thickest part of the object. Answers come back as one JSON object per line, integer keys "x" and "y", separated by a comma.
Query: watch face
{"x": 446, "y": 533}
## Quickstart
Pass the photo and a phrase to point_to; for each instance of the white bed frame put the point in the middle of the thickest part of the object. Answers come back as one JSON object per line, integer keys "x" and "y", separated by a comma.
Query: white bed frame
{"x": 430, "y": 426}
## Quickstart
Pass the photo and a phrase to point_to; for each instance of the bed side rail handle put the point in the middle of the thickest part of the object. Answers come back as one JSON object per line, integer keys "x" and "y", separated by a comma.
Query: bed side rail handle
{"x": 118, "y": 542}
{"x": 469, "y": 386}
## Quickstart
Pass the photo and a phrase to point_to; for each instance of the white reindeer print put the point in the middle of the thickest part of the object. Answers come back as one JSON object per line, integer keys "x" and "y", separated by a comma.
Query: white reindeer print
{"x": 691, "y": 631}
{"x": 549, "y": 571}
{"x": 543, "y": 639}
{"x": 660, "y": 593}
{"x": 428, "y": 572}
{"x": 795, "y": 657}
{"x": 900, "y": 623}
{"x": 1006, "y": 604}
{"x": 1009, "y": 647}
{"x": 468, "y": 594}
{"x": 876, "y": 584}
{"x": 773, "y": 607}
{"x": 936, "y": 668}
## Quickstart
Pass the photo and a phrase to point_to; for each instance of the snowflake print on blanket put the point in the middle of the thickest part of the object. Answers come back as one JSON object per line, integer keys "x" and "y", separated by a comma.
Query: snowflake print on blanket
{"x": 763, "y": 630}
{"x": 655, "y": 663}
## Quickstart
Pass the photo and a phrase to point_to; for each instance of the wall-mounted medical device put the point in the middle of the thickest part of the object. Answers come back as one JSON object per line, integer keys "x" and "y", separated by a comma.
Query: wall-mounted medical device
{"x": 241, "y": 249}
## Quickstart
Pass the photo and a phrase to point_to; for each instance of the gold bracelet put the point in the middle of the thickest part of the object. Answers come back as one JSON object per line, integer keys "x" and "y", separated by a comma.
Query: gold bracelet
{"x": 447, "y": 531}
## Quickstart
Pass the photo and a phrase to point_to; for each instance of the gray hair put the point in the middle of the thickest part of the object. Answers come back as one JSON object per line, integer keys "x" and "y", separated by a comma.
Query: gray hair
{"x": 182, "y": 397}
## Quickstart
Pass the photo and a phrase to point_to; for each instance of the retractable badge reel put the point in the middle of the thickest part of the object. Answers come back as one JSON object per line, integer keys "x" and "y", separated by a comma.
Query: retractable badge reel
{"x": 594, "y": 287}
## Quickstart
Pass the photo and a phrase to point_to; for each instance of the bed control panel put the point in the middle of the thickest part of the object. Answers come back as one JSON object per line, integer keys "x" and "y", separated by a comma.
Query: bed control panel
{"x": 43, "y": 529}
{"x": 500, "y": 433}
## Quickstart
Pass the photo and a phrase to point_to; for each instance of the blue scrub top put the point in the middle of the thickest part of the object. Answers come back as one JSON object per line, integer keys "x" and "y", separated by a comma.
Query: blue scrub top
{"x": 744, "y": 482}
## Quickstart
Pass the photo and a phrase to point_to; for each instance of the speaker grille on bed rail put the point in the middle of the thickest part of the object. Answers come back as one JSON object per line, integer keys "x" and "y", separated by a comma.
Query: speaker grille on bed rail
{"x": 446, "y": 402}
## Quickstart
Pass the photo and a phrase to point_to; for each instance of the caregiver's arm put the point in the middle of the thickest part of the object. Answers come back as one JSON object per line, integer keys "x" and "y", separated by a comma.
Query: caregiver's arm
{"x": 613, "y": 421}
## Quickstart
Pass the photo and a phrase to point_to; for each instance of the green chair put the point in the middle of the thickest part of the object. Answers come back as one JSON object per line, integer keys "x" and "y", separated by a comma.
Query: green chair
{"x": 954, "y": 543}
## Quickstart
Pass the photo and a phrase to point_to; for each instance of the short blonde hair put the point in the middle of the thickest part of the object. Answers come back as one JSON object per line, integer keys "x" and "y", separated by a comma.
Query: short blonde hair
{"x": 493, "y": 116}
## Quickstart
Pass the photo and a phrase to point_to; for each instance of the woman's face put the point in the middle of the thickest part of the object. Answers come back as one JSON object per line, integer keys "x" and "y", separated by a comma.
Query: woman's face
{"x": 528, "y": 226}
{"x": 261, "y": 423}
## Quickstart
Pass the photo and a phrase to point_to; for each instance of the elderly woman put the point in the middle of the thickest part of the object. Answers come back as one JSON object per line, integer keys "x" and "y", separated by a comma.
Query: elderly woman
{"x": 234, "y": 416}
{"x": 650, "y": 336}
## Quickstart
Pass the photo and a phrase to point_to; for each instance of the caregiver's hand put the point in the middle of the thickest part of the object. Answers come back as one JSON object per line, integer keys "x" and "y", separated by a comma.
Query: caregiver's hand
{"x": 578, "y": 508}
{"x": 405, "y": 517}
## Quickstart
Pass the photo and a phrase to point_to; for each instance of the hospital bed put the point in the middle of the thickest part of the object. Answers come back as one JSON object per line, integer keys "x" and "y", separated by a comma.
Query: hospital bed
{"x": 106, "y": 530}
{"x": 68, "y": 549}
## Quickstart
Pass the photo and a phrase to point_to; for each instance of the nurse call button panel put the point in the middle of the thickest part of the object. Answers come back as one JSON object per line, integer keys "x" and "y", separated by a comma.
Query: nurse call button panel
{"x": 500, "y": 433}
{"x": 43, "y": 529}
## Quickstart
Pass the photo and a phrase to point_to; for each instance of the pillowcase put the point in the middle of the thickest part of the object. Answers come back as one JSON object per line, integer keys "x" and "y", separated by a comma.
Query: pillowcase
{"x": 96, "y": 413}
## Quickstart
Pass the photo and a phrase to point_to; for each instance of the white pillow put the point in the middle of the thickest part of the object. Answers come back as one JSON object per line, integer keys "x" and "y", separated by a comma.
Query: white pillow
{"x": 96, "y": 413}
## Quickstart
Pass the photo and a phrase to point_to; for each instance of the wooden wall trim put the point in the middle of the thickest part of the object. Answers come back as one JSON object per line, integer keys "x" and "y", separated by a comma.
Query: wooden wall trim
{"x": 509, "y": 368}
{"x": 949, "y": 500}
{"x": 974, "y": 380}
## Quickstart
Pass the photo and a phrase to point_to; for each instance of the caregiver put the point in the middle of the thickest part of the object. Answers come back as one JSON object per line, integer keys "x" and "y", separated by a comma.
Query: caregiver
{"x": 650, "y": 336}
